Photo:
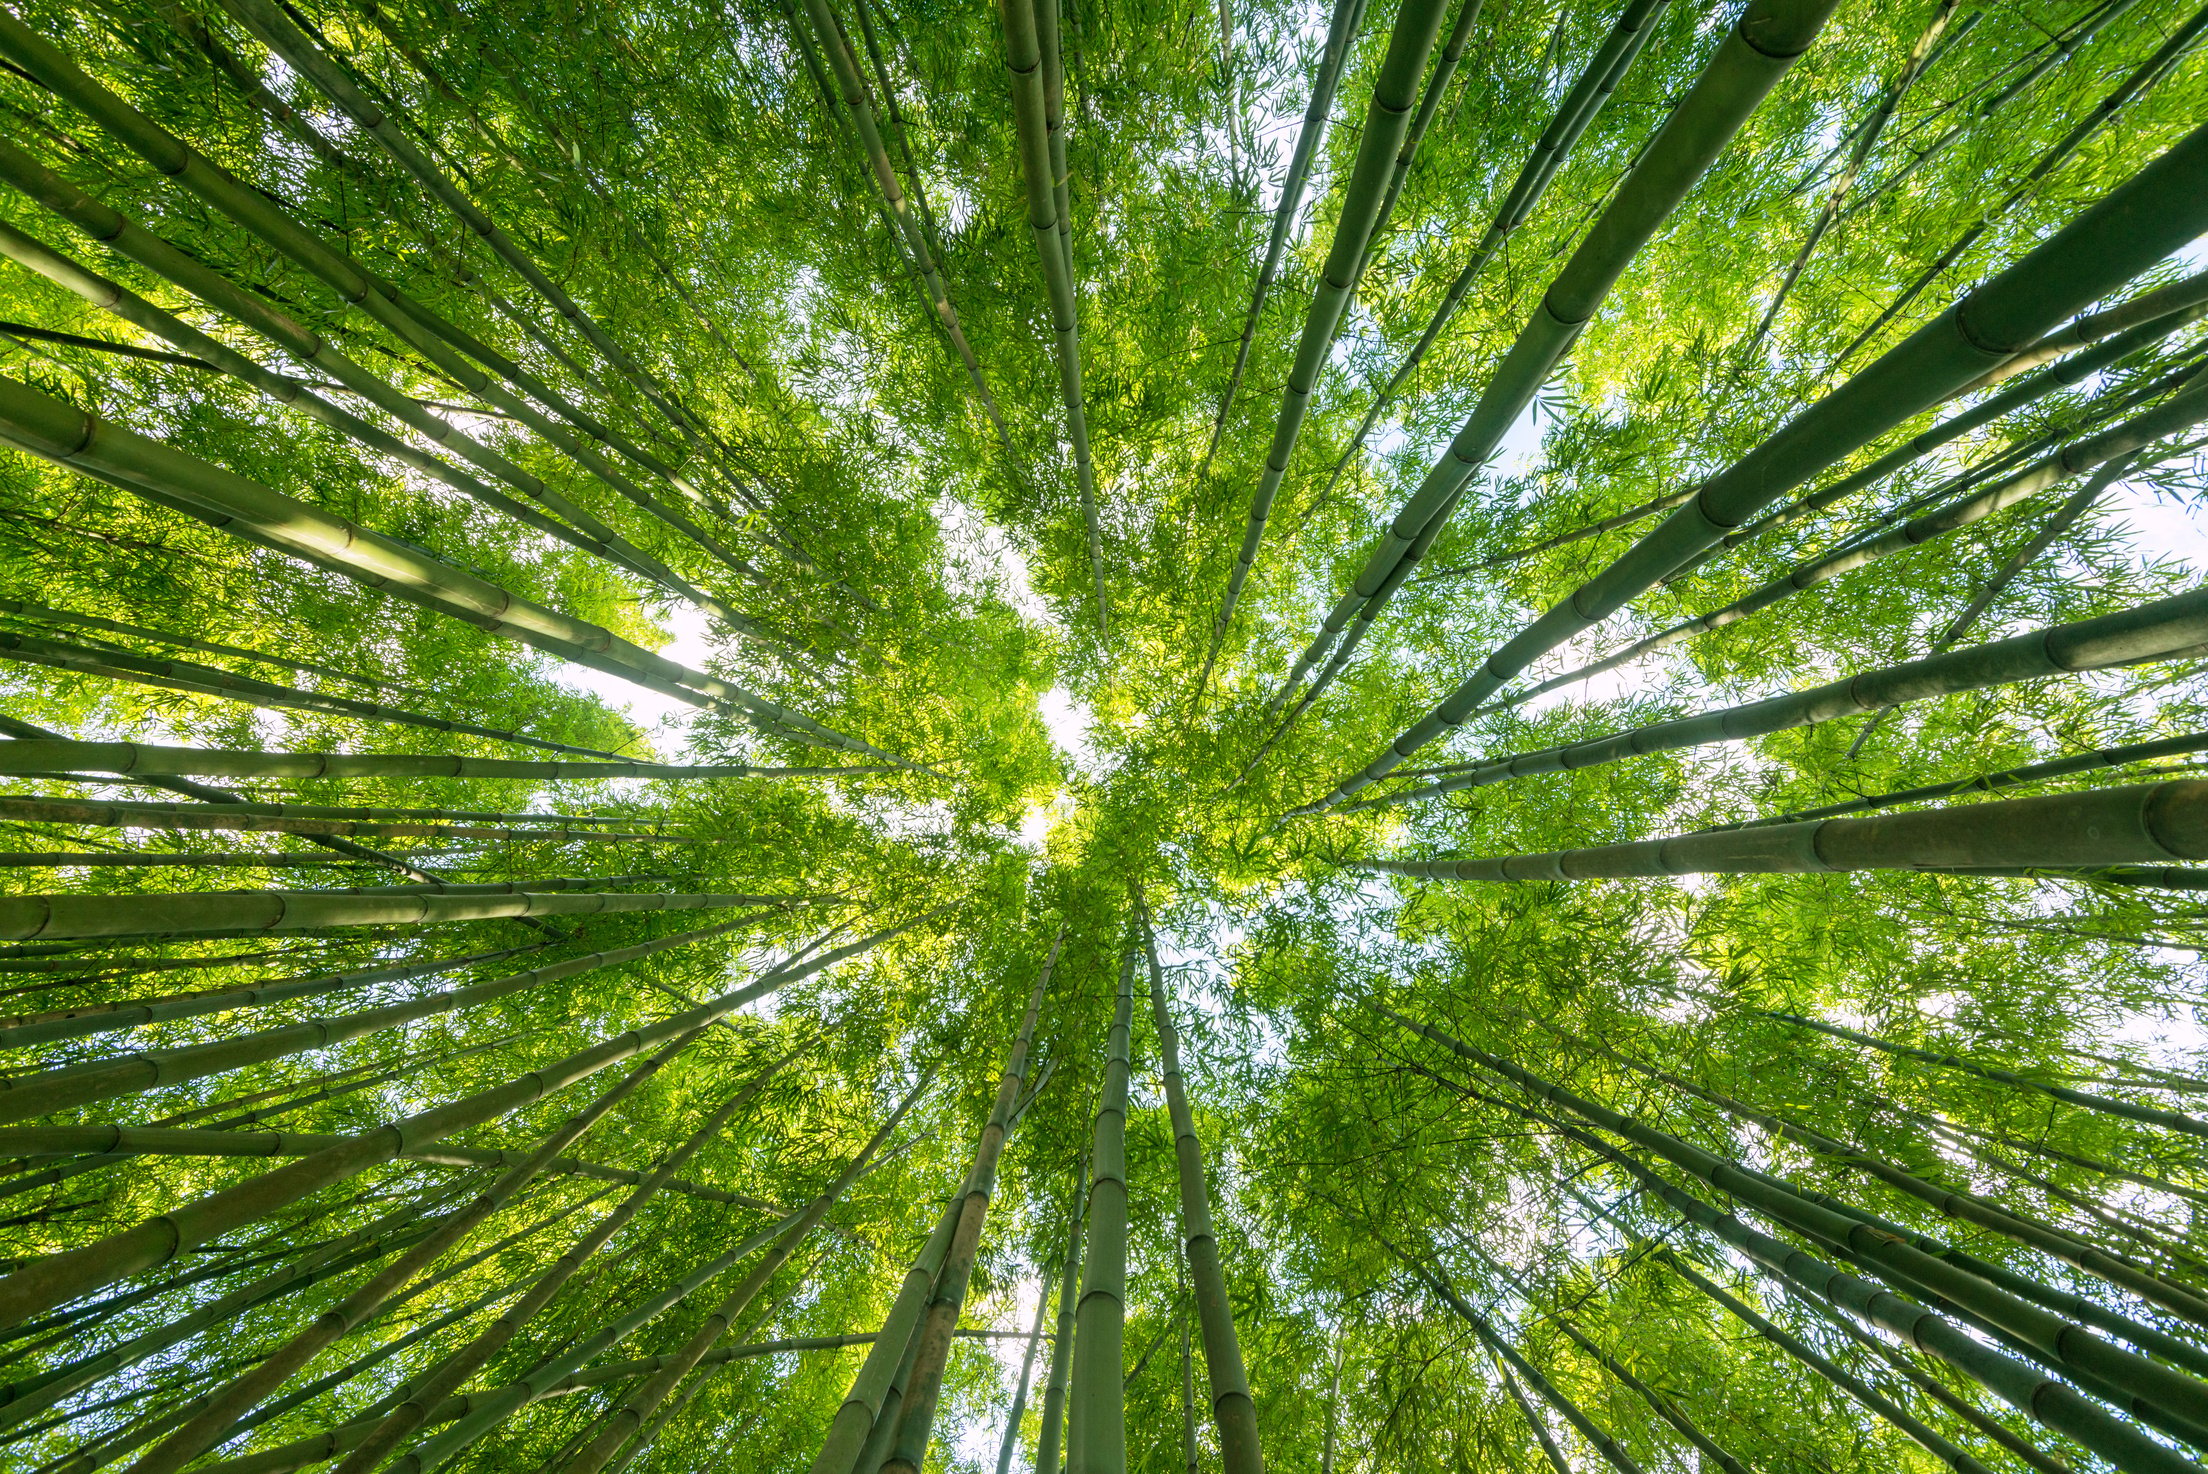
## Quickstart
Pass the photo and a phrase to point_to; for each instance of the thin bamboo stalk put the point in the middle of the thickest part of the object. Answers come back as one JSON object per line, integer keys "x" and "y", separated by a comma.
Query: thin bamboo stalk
{"x": 851, "y": 86}
{"x": 1096, "y": 1433}
{"x": 909, "y": 1450}
{"x": 219, "y": 1412}
{"x": 1526, "y": 1409}
{"x": 47, "y": 614}
{"x": 1429, "y": 104}
{"x": 615, "y": 1429}
{"x": 1232, "y": 1407}
{"x": 1341, "y": 34}
{"x": 59, "y": 1278}
{"x": 1038, "y": 171}
{"x": 1579, "y": 107}
{"x": 2167, "y": 629}
{"x": 140, "y": 758}
{"x": 1663, "y": 1406}
{"x": 2153, "y": 213}
{"x": 244, "y": 816}
{"x": 876, "y": 1391}
{"x": 1048, "y": 1446}
{"x": 426, "y": 1392}
{"x": 1009, "y": 1444}
{"x": 152, "y": 914}
{"x": 1385, "y": 135}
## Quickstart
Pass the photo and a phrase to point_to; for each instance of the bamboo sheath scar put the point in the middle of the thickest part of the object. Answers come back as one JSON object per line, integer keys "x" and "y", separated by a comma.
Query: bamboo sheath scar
{"x": 58, "y": 1278}
{"x": 44, "y": 1092}
{"x": 2167, "y": 629}
{"x": 34, "y": 756}
{"x": 2157, "y": 211}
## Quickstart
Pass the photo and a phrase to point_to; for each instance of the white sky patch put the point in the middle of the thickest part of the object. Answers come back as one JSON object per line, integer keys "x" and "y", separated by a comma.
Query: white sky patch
{"x": 1069, "y": 722}
{"x": 653, "y": 712}
{"x": 977, "y": 1443}
{"x": 1520, "y": 448}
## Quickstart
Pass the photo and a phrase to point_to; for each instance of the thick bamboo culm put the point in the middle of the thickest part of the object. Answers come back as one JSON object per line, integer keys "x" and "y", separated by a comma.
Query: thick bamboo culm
{"x": 2151, "y": 215}
{"x": 2151, "y": 823}
{"x": 1096, "y": 1423}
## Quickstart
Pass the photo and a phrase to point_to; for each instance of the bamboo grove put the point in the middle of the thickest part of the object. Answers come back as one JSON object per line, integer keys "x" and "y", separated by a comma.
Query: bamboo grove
{"x": 856, "y": 736}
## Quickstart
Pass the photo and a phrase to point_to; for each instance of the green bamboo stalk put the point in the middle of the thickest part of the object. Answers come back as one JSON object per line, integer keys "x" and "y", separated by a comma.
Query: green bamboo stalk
{"x": 53, "y": 429}
{"x": 851, "y": 86}
{"x": 1047, "y": 1449}
{"x": 1612, "y": 1451}
{"x": 1933, "y": 1443}
{"x": 115, "y": 663}
{"x": 1867, "y": 135}
{"x": 2061, "y": 375}
{"x": 269, "y": 23}
{"x": 1341, "y": 34}
{"x": 140, "y": 758}
{"x": 877, "y": 1389}
{"x": 1579, "y": 107}
{"x": 2166, "y": 629}
{"x": 58, "y": 1278}
{"x": 2041, "y": 1149}
{"x": 579, "y": 530}
{"x": 153, "y": 914}
{"x": 615, "y": 1429}
{"x": 47, "y": 614}
{"x": 2138, "y": 80}
{"x": 1761, "y": 47}
{"x": 2179, "y": 297}
{"x": 2153, "y": 213}
{"x": 1526, "y": 1409}
{"x": 241, "y": 817}
{"x": 1096, "y": 1431}
{"x": 219, "y": 1412}
{"x": 100, "y": 1018}
{"x": 1232, "y": 1407}
{"x": 1429, "y": 104}
{"x": 1038, "y": 172}
{"x": 1010, "y": 1443}
{"x": 1386, "y": 131}
{"x": 2107, "y": 455}
{"x": 2106, "y": 1105}
{"x": 26, "y": 1398}
{"x": 2142, "y": 822}
{"x": 394, "y": 1424}
{"x": 1054, "y": 122}
{"x": 1974, "y": 1209}
{"x": 44, "y": 1092}
{"x": 2140, "y": 1382}
{"x": 588, "y": 823}
{"x": 909, "y": 1450}
{"x": 451, "y": 350}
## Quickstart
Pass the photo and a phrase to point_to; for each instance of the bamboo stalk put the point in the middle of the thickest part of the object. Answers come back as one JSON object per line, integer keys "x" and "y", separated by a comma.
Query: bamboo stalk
{"x": 1009, "y": 1444}
{"x": 1232, "y": 1407}
{"x": 616, "y": 1428}
{"x": 1038, "y": 171}
{"x": 877, "y": 1389}
{"x": 909, "y": 1449}
{"x": 58, "y": 1278}
{"x": 1341, "y": 34}
{"x": 2153, "y": 213}
{"x": 241, "y": 817}
{"x": 1387, "y": 127}
{"x": 2166, "y": 629}
{"x": 1096, "y": 1431}
{"x": 426, "y": 1392}
{"x": 1048, "y": 1446}
{"x": 140, "y": 758}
